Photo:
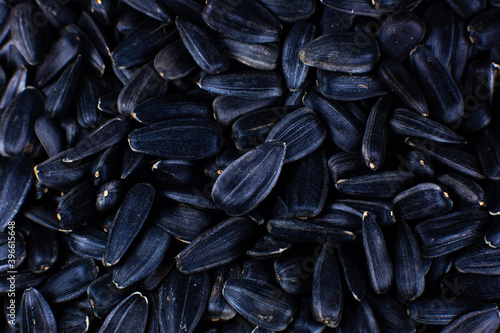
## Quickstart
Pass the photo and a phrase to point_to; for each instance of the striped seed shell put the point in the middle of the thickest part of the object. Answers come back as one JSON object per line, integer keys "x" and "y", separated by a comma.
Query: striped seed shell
{"x": 36, "y": 314}
{"x": 103, "y": 295}
{"x": 17, "y": 179}
{"x": 143, "y": 258}
{"x": 43, "y": 249}
{"x": 143, "y": 42}
{"x": 249, "y": 84}
{"x": 295, "y": 230}
{"x": 184, "y": 138}
{"x": 291, "y": 274}
{"x": 352, "y": 271}
{"x": 456, "y": 159}
{"x": 340, "y": 52}
{"x": 409, "y": 273}
{"x": 50, "y": 135}
{"x": 105, "y": 136}
{"x": 466, "y": 9}
{"x": 28, "y": 38}
{"x": 301, "y": 131}
{"x": 257, "y": 56}
{"x": 480, "y": 259}
{"x": 391, "y": 315}
{"x": 182, "y": 221}
{"x": 294, "y": 70}
{"x": 62, "y": 52}
{"x": 349, "y": 87}
{"x": 267, "y": 247}
{"x": 465, "y": 191}
{"x": 403, "y": 85}
{"x": 43, "y": 216}
{"x": 87, "y": 95}
{"x": 380, "y": 185}
{"x": 487, "y": 320}
{"x": 145, "y": 82}
{"x": 151, "y": 8}
{"x": 382, "y": 211}
{"x": 327, "y": 299}
{"x": 190, "y": 195}
{"x": 73, "y": 319}
{"x": 128, "y": 221}
{"x": 174, "y": 62}
{"x": 399, "y": 34}
{"x": 70, "y": 282}
{"x": 308, "y": 187}
{"x": 354, "y": 7}
{"x": 374, "y": 144}
{"x": 129, "y": 314}
{"x": 88, "y": 242}
{"x": 260, "y": 303}
{"x": 16, "y": 84}
{"x": 257, "y": 270}
{"x": 291, "y": 10}
{"x": 182, "y": 301}
{"x": 17, "y": 134}
{"x": 427, "y": 310}
{"x": 420, "y": 164}
{"x": 475, "y": 286}
{"x": 227, "y": 108}
{"x": 448, "y": 233}
{"x": 160, "y": 108}
{"x": 421, "y": 201}
{"x": 448, "y": 106}
{"x": 303, "y": 320}
{"x": 407, "y": 123}
{"x": 488, "y": 150}
{"x": 217, "y": 246}
{"x": 106, "y": 166}
{"x": 218, "y": 308}
{"x": 76, "y": 206}
{"x": 340, "y": 215}
{"x": 340, "y": 123}
{"x": 441, "y": 36}
{"x": 248, "y": 181}
{"x": 484, "y": 35}
{"x": 359, "y": 317}
{"x": 344, "y": 165}
{"x": 380, "y": 267}
{"x": 205, "y": 49}
{"x": 246, "y": 21}
{"x": 333, "y": 20}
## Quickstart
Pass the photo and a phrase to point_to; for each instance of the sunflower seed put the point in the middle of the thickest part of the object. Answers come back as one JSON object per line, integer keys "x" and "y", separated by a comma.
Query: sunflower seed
{"x": 88, "y": 242}
{"x": 481, "y": 321}
{"x": 131, "y": 313}
{"x": 421, "y": 201}
{"x": 441, "y": 36}
{"x": 104, "y": 296}
{"x": 43, "y": 250}
{"x": 466, "y": 192}
{"x": 484, "y": 35}
{"x": 36, "y": 314}
{"x": 349, "y": 87}
{"x": 249, "y": 84}
{"x": 380, "y": 185}
{"x": 218, "y": 308}
{"x": 374, "y": 145}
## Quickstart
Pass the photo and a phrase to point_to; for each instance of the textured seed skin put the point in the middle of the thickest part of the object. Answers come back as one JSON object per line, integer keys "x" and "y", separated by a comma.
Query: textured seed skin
{"x": 260, "y": 303}
{"x": 483, "y": 35}
{"x": 465, "y": 191}
{"x": 291, "y": 275}
{"x": 441, "y": 36}
{"x": 218, "y": 308}
{"x": 352, "y": 270}
{"x": 403, "y": 85}
{"x": 128, "y": 221}
{"x": 301, "y": 131}
{"x": 36, "y": 315}
{"x": 257, "y": 56}
{"x": 478, "y": 259}
{"x": 182, "y": 300}
{"x": 104, "y": 296}
{"x": 391, "y": 315}
{"x": 357, "y": 7}
{"x": 188, "y": 138}
{"x": 303, "y": 321}
{"x": 481, "y": 321}
{"x": 448, "y": 233}
{"x": 88, "y": 242}
{"x": 380, "y": 185}
{"x": 43, "y": 251}
{"x": 431, "y": 75}
{"x": 488, "y": 149}
{"x": 28, "y": 41}
{"x": 399, "y": 34}
{"x": 380, "y": 267}
{"x": 294, "y": 70}
{"x": 17, "y": 180}
{"x": 249, "y": 180}
{"x": 249, "y": 84}
{"x": 421, "y": 201}
{"x": 373, "y": 147}
{"x": 212, "y": 248}
{"x": 174, "y": 62}
{"x": 129, "y": 314}
{"x": 76, "y": 206}
{"x": 327, "y": 299}
{"x": 349, "y": 87}
{"x": 246, "y": 21}
{"x": 339, "y": 52}
{"x": 478, "y": 286}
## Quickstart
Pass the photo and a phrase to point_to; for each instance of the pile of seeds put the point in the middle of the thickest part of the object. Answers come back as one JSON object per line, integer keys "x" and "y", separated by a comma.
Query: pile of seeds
{"x": 249, "y": 166}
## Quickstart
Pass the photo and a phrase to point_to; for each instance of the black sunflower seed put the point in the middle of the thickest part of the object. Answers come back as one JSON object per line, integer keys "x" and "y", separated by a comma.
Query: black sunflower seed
{"x": 107, "y": 165}
{"x": 267, "y": 247}
{"x": 174, "y": 62}
{"x": 352, "y": 271}
{"x": 88, "y": 242}
{"x": 487, "y": 320}
{"x": 43, "y": 250}
{"x": 441, "y": 36}
{"x": 380, "y": 185}
{"x": 341, "y": 52}
{"x": 333, "y": 20}
{"x": 465, "y": 191}
{"x": 480, "y": 259}
{"x": 72, "y": 319}
{"x": 246, "y": 21}
{"x": 182, "y": 301}
{"x": 451, "y": 232}
{"x": 356, "y": 7}
{"x": 344, "y": 165}
{"x": 188, "y": 138}
{"x": 128, "y": 221}
{"x": 257, "y": 56}
{"x": 228, "y": 108}
{"x": 129, "y": 314}
{"x": 260, "y": 303}
{"x": 143, "y": 258}
{"x": 151, "y": 8}
{"x": 421, "y": 201}
{"x": 250, "y": 84}
{"x": 103, "y": 295}
{"x": 76, "y": 206}
{"x": 248, "y": 181}
{"x": 17, "y": 179}
{"x": 484, "y": 35}
{"x": 327, "y": 299}
{"x": 374, "y": 144}
{"x": 291, "y": 274}
{"x": 391, "y": 315}
{"x": 36, "y": 314}
{"x": 294, "y": 70}
{"x": 349, "y": 87}
{"x": 492, "y": 236}
{"x": 218, "y": 308}
{"x": 26, "y": 36}
{"x": 291, "y": 11}
{"x": 217, "y": 246}
{"x": 475, "y": 286}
